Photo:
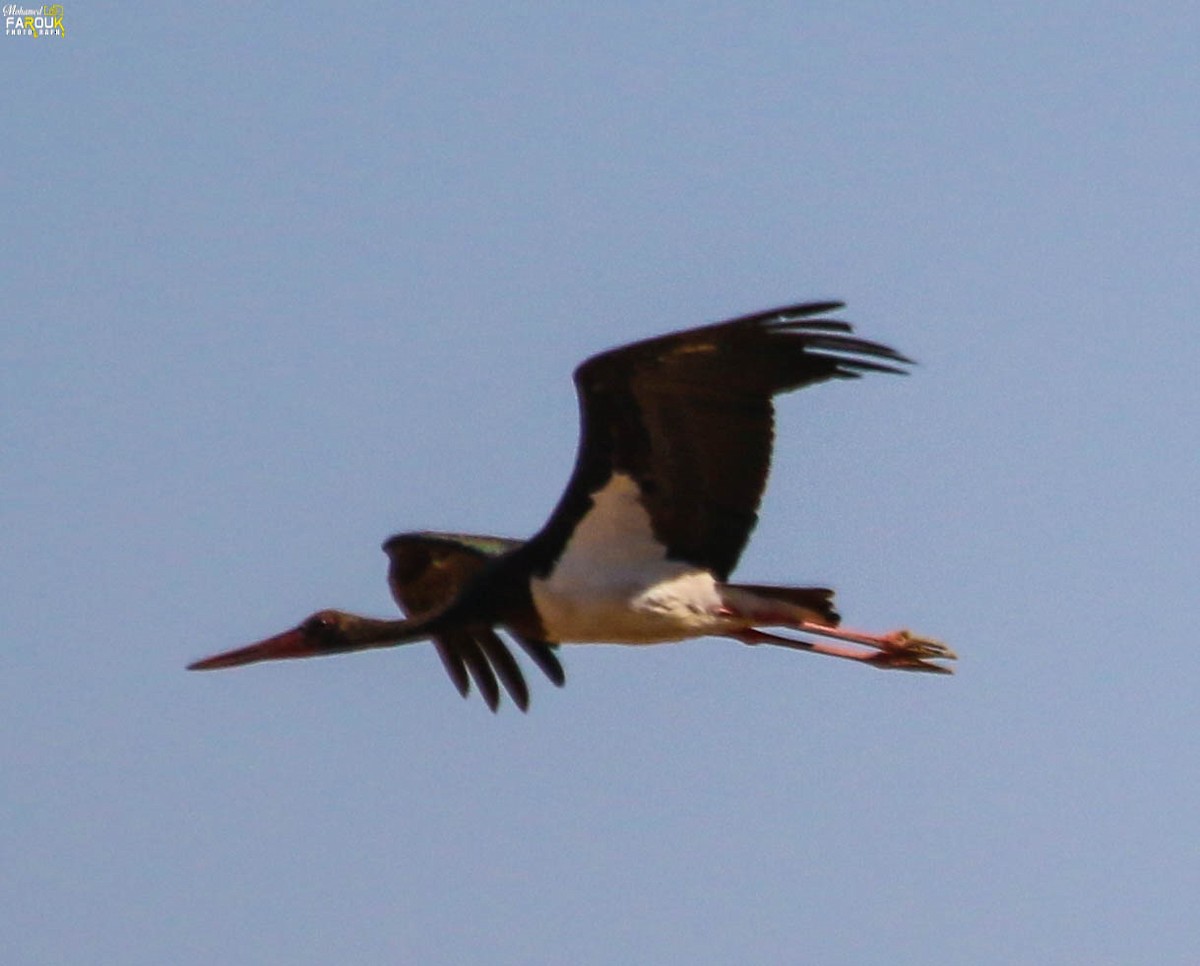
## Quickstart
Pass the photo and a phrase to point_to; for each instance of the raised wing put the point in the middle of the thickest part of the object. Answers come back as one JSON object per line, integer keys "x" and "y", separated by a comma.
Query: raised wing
{"x": 689, "y": 417}
{"x": 427, "y": 571}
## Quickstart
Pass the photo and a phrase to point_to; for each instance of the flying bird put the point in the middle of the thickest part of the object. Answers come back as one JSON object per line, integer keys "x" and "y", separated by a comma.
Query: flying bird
{"x": 674, "y": 452}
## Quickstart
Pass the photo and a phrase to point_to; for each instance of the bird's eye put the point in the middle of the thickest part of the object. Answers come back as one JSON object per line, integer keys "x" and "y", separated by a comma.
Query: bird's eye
{"x": 320, "y": 623}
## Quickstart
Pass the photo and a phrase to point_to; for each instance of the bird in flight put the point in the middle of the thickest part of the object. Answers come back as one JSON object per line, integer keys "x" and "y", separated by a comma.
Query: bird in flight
{"x": 674, "y": 451}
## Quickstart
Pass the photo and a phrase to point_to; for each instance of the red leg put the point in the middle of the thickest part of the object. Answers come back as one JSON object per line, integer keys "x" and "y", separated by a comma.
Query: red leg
{"x": 892, "y": 652}
{"x": 895, "y": 642}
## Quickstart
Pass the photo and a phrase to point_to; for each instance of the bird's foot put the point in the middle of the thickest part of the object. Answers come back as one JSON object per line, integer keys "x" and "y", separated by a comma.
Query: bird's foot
{"x": 907, "y": 642}
{"x": 904, "y": 651}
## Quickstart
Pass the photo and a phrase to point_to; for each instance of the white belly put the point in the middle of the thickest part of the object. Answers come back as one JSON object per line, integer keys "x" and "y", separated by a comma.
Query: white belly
{"x": 684, "y": 603}
{"x": 613, "y": 582}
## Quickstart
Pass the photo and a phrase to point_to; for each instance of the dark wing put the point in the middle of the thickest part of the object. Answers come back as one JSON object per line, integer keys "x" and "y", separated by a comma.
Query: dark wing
{"x": 427, "y": 571}
{"x": 689, "y": 417}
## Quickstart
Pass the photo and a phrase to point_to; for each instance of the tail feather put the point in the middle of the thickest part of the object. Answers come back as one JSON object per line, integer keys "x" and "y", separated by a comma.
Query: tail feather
{"x": 817, "y": 601}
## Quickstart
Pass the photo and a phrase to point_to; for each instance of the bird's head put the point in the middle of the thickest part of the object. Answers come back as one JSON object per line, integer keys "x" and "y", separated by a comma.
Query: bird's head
{"x": 325, "y": 632}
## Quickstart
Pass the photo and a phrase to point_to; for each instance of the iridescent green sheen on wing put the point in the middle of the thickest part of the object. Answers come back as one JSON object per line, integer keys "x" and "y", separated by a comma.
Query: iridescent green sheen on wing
{"x": 488, "y": 546}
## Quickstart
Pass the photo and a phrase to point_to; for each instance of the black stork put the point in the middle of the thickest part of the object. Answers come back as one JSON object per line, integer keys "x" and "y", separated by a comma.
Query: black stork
{"x": 675, "y": 447}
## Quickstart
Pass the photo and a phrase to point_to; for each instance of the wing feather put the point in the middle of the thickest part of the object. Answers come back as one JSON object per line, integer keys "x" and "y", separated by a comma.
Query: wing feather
{"x": 689, "y": 416}
{"x": 505, "y": 666}
{"x": 428, "y": 570}
{"x": 542, "y": 654}
{"x": 485, "y": 678}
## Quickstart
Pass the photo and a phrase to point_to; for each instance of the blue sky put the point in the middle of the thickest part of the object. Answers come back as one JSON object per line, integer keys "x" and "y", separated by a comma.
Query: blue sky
{"x": 281, "y": 282}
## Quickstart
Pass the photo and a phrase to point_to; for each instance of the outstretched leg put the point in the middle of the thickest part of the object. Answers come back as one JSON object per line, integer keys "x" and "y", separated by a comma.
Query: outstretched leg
{"x": 746, "y": 608}
{"x": 900, "y": 651}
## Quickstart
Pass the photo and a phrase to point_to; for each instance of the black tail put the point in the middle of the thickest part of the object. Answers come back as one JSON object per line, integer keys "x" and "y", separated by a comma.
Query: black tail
{"x": 818, "y": 601}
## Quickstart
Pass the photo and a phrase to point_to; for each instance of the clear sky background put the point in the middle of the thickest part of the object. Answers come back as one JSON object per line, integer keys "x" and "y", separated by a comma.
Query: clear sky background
{"x": 280, "y": 281}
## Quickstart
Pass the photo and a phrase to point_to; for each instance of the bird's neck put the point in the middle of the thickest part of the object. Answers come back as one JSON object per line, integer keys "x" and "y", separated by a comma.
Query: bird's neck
{"x": 370, "y": 632}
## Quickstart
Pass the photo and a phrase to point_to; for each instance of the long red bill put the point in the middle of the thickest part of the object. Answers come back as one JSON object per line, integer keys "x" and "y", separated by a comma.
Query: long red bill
{"x": 289, "y": 644}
